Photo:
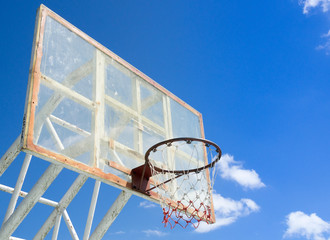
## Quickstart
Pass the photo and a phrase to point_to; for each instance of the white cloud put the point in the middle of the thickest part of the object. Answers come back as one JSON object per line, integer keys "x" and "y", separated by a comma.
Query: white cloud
{"x": 326, "y": 45}
{"x": 325, "y": 5}
{"x": 115, "y": 233}
{"x": 147, "y": 204}
{"x": 227, "y": 211}
{"x": 309, "y": 4}
{"x": 311, "y": 226}
{"x": 233, "y": 170}
{"x": 326, "y": 35}
{"x": 157, "y": 233}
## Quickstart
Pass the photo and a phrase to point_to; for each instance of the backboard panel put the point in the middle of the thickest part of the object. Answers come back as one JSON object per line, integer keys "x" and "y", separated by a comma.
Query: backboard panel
{"x": 91, "y": 111}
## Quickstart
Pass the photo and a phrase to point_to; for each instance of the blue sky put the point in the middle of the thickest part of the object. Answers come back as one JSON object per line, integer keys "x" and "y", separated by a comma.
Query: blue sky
{"x": 257, "y": 71}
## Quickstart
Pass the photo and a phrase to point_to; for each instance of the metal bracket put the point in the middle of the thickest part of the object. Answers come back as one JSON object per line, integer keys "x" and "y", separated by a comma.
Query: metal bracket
{"x": 141, "y": 178}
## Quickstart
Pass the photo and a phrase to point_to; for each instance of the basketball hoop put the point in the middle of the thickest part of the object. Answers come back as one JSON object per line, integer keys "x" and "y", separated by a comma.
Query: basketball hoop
{"x": 183, "y": 173}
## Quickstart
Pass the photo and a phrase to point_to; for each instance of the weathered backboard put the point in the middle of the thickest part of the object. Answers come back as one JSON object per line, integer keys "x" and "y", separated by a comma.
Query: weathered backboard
{"x": 91, "y": 111}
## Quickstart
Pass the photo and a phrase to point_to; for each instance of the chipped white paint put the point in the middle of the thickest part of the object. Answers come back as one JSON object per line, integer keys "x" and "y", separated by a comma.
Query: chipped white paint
{"x": 18, "y": 186}
{"x": 111, "y": 215}
{"x": 70, "y": 226}
{"x": 63, "y": 204}
{"x": 10, "y": 155}
{"x": 92, "y": 210}
{"x": 29, "y": 201}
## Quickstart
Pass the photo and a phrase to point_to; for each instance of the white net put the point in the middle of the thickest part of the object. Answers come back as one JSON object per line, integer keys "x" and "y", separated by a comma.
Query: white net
{"x": 183, "y": 175}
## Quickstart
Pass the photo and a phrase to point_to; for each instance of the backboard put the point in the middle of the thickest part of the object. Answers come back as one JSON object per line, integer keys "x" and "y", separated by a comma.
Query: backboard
{"x": 93, "y": 112}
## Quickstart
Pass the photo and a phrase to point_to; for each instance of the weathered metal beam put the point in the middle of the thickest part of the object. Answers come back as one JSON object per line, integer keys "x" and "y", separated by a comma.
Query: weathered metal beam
{"x": 131, "y": 114}
{"x": 67, "y": 92}
{"x": 70, "y": 226}
{"x": 31, "y": 199}
{"x": 62, "y": 205}
{"x": 98, "y": 99}
{"x": 69, "y": 126}
{"x": 111, "y": 215}
{"x": 24, "y": 194}
{"x": 54, "y": 134}
{"x": 18, "y": 186}
{"x": 57, "y": 227}
{"x": 57, "y": 97}
{"x": 92, "y": 210}
{"x": 10, "y": 155}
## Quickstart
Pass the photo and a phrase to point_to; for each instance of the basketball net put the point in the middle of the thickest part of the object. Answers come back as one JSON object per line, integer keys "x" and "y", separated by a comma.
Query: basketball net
{"x": 185, "y": 195}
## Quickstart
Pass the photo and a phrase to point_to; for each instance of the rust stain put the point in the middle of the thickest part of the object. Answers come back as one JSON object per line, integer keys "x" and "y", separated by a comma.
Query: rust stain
{"x": 111, "y": 144}
{"x": 35, "y": 76}
{"x": 120, "y": 167}
{"x": 70, "y": 163}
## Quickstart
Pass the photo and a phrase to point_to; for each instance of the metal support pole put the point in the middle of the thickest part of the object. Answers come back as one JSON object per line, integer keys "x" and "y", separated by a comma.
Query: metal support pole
{"x": 111, "y": 215}
{"x": 69, "y": 224}
{"x": 31, "y": 199}
{"x": 10, "y": 155}
{"x": 99, "y": 99}
{"x": 63, "y": 204}
{"x": 24, "y": 194}
{"x": 57, "y": 227}
{"x": 92, "y": 210}
{"x": 18, "y": 186}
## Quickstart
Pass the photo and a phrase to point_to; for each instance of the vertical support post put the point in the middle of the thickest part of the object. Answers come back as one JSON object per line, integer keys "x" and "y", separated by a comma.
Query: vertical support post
{"x": 31, "y": 199}
{"x": 169, "y": 134}
{"x": 57, "y": 227}
{"x": 92, "y": 210}
{"x": 111, "y": 215}
{"x": 63, "y": 204}
{"x": 18, "y": 186}
{"x": 99, "y": 100}
{"x": 136, "y": 92}
{"x": 167, "y": 117}
{"x": 10, "y": 155}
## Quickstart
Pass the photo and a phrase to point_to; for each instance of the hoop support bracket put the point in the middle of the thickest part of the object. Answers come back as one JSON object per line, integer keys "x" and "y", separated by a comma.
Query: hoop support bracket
{"x": 141, "y": 178}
